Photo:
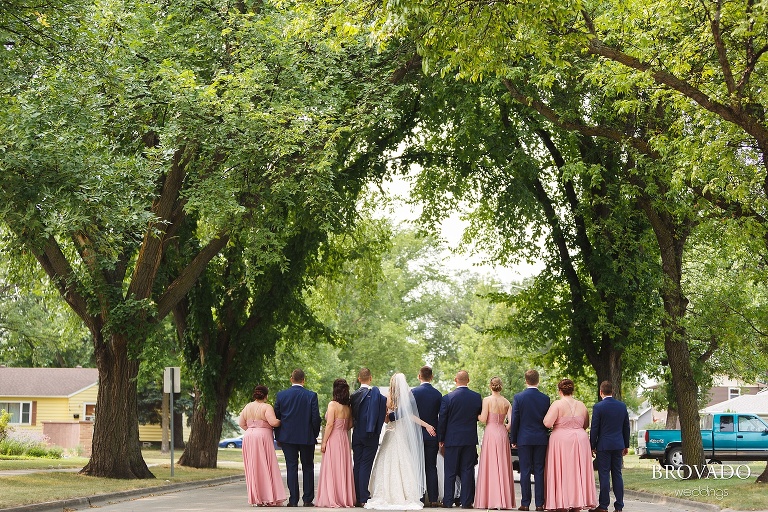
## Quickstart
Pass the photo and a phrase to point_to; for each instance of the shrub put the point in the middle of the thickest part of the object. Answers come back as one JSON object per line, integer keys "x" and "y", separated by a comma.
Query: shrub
{"x": 5, "y": 417}
{"x": 10, "y": 446}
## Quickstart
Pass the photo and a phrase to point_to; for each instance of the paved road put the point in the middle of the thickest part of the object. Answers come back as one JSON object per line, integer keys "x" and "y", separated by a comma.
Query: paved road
{"x": 230, "y": 495}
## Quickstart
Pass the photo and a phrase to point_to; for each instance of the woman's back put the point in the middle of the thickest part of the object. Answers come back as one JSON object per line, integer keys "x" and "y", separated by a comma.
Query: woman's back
{"x": 497, "y": 404}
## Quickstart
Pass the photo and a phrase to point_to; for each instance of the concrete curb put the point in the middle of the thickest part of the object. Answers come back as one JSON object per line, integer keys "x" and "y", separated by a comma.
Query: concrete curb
{"x": 91, "y": 501}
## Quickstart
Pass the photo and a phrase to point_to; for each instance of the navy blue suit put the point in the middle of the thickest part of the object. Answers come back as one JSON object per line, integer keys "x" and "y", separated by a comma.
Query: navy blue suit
{"x": 531, "y": 437}
{"x": 299, "y": 414}
{"x": 457, "y": 430}
{"x": 369, "y": 407}
{"x": 609, "y": 436}
{"x": 428, "y": 401}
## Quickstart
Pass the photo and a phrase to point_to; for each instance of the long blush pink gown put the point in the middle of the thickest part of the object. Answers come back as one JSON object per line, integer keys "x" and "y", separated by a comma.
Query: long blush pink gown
{"x": 495, "y": 484}
{"x": 262, "y": 472}
{"x": 335, "y": 486}
{"x": 569, "y": 475}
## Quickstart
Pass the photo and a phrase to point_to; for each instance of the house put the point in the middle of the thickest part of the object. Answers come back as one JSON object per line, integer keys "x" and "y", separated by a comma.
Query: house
{"x": 59, "y": 403}
{"x": 722, "y": 389}
{"x": 757, "y": 404}
{"x": 725, "y": 389}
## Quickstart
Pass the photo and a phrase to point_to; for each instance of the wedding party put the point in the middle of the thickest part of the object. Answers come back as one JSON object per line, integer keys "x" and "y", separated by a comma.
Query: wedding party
{"x": 404, "y": 448}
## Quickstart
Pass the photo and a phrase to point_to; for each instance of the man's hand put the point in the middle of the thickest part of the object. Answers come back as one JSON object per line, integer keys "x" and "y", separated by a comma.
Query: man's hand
{"x": 625, "y": 451}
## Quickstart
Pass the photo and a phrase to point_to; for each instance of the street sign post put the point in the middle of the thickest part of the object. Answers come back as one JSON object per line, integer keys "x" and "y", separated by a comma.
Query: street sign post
{"x": 171, "y": 384}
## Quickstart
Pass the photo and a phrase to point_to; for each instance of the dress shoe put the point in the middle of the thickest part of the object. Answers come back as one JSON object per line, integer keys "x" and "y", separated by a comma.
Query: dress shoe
{"x": 308, "y": 504}
{"x": 291, "y": 504}
{"x": 522, "y": 507}
{"x": 598, "y": 509}
{"x": 539, "y": 508}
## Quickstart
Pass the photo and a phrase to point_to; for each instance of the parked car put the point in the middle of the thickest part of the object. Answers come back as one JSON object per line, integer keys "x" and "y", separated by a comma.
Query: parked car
{"x": 232, "y": 442}
{"x": 724, "y": 436}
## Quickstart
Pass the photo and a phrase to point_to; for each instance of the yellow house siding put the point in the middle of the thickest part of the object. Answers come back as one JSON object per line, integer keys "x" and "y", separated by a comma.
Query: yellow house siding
{"x": 57, "y": 409}
{"x": 78, "y": 400}
{"x": 154, "y": 433}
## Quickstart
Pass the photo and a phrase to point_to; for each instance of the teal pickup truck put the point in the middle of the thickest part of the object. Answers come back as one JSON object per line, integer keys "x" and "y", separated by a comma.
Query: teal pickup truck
{"x": 724, "y": 436}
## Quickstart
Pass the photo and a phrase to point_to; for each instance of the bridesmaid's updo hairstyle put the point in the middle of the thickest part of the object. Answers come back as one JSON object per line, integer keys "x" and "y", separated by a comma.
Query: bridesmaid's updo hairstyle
{"x": 260, "y": 392}
{"x": 495, "y": 384}
{"x": 341, "y": 391}
{"x": 566, "y": 386}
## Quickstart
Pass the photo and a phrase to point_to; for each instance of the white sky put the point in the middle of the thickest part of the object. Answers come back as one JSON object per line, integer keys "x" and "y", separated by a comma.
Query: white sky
{"x": 397, "y": 191}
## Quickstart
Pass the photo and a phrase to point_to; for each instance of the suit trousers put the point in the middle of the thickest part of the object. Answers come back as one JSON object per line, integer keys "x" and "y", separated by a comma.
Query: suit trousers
{"x": 363, "y": 453}
{"x": 609, "y": 464}
{"x": 431, "y": 447}
{"x": 292, "y": 453}
{"x": 531, "y": 458}
{"x": 460, "y": 461}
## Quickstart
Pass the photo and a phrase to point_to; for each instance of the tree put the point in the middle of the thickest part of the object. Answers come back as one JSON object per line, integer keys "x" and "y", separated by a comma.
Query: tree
{"x": 510, "y": 40}
{"x": 161, "y": 113}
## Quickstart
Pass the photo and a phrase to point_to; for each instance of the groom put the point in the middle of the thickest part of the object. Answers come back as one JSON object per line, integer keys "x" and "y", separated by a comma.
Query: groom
{"x": 369, "y": 407}
{"x": 428, "y": 401}
{"x": 458, "y": 436}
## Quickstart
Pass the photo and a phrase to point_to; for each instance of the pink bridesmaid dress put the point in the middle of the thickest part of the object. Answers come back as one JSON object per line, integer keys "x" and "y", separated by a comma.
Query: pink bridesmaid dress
{"x": 262, "y": 472}
{"x": 569, "y": 474}
{"x": 495, "y": 483}
{"x": 336, "y": 487}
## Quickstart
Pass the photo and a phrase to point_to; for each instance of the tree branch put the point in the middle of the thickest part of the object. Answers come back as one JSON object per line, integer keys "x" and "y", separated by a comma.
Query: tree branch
{"x": 737, "y": 116}
{"x": 189, "y": 275}
{"x": 592, "y": 131}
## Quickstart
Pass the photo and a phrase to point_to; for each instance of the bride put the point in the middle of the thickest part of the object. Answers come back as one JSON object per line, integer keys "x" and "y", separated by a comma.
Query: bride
{"x": 397, "y": 479}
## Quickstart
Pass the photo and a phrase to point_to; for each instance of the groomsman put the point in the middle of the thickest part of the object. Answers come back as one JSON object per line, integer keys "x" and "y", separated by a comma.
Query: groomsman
{"x": 428, "y": 401}
{"x": 457, "y": 434}
{"x": 609, "y": 435}
{"x": 298, "y": 411}
{"x": 529, "y": 435}
{"x": 369, "y": 407}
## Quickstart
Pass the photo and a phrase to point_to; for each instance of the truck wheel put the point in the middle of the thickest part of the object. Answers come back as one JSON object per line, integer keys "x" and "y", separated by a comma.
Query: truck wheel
{"x": 715, "y": 461}
{"x": 675, "y": 457}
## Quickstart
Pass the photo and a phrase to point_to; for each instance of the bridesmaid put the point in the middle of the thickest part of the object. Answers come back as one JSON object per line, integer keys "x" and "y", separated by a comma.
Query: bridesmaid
{"x": 336, "y": 487}
{"x": 262, "y": 473}
{"x": 569, "y": 455}
{"x": 495, "y": 482}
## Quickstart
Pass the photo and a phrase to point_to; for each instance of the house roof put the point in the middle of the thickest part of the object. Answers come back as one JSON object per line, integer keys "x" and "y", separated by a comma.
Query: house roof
{"x": 46, "y": 382}
{"x": 757, "y": 404}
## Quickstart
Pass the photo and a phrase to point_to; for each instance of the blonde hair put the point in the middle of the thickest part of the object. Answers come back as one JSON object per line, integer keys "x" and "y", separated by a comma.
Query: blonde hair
{"x": 392, "y": 400}
{"x": 496, "y": 384}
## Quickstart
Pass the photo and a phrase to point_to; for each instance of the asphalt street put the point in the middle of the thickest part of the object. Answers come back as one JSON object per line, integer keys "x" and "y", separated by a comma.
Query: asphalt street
{"x": 230, "y": 495}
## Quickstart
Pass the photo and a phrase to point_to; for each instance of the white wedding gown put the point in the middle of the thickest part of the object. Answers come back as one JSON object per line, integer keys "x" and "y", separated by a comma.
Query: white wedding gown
{"x": 394, "y": 483}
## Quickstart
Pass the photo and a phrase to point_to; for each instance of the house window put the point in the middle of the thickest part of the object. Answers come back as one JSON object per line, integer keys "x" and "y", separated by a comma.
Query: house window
{"x": 90, "y": 412}
{"x": 21, "y": 412}
{"x": 733, "y": 392}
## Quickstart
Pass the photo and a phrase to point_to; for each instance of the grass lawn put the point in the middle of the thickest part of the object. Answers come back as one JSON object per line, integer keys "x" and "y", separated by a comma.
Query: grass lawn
{"x": 46, "y": 486}
{"x": 734, "y": 492}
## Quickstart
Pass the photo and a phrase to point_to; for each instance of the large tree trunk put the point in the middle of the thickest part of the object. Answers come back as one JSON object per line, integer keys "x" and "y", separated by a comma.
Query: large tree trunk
{"x": 203, "y": 446}
{"x": 672, "y": 234}
{"x": 763, "y": 478}
{"x": 672, "y": 422}
{"x": 116, "y": 448}
{"x": 178, "y": 427}
{"x": 607, "y": 365}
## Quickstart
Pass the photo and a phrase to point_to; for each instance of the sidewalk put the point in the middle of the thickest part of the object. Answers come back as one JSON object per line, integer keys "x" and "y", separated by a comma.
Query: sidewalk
{"x": 229, "y": 494}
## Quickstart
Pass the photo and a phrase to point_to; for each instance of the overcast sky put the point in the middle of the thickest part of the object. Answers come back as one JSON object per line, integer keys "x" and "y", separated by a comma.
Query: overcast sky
{"x": 397, "y": 191}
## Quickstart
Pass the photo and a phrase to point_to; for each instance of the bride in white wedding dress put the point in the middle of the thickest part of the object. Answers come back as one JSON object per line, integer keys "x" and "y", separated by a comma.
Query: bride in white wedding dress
{"x": 397, "y": 479}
